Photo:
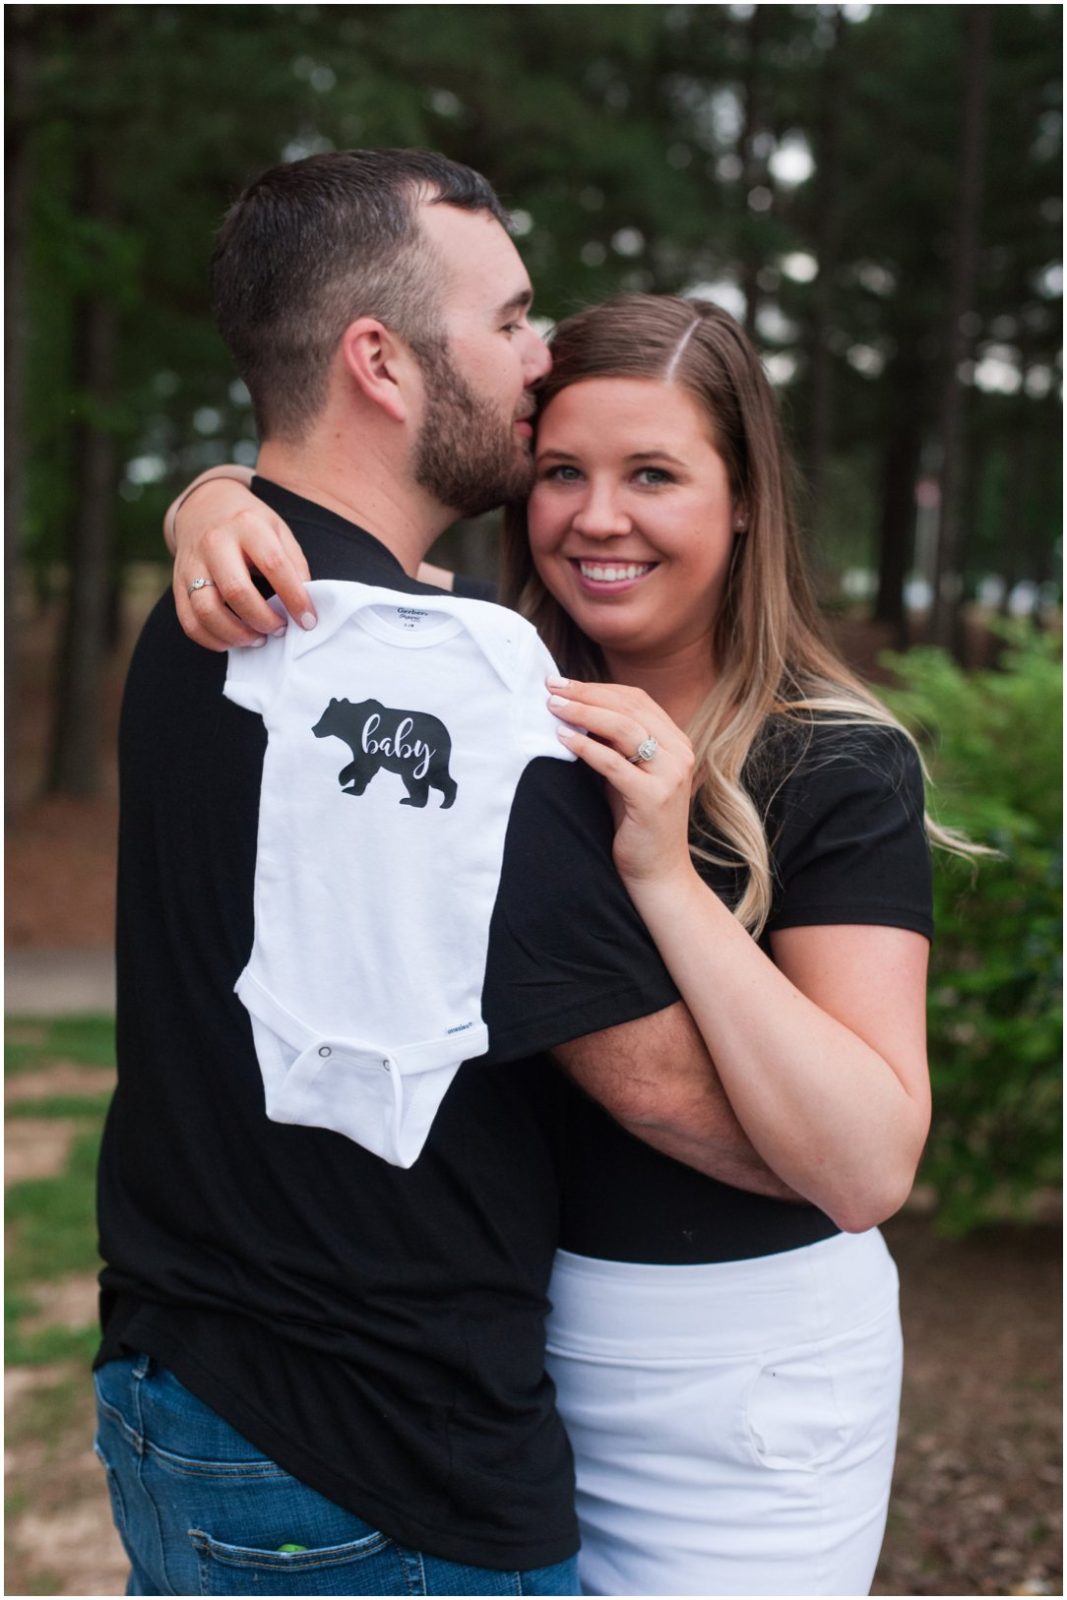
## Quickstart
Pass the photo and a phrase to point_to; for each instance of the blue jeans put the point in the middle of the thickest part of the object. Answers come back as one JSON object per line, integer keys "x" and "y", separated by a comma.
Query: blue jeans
{"x": 201, "y": 1511}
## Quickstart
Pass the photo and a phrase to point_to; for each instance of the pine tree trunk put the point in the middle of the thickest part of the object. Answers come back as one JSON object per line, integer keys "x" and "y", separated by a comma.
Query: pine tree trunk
{"x": 903, "y": 457}
{"x": 16, "y": 330}
{"x": 74, "y": 764}
{"x": 754, "y": 167}
{"x": 951, "y": 537}
{"x": 829, "y": 188}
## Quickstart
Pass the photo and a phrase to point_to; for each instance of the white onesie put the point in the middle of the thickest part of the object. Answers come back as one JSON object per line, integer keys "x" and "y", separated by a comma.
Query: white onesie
{"x": 398, "y": 729}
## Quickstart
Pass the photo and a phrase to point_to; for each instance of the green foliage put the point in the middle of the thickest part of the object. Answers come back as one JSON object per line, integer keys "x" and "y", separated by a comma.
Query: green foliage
{"x": 617, "y": 130}
{"x": 996, "y": 1010}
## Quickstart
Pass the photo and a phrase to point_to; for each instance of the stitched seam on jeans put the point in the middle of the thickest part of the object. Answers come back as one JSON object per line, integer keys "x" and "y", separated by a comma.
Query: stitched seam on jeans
{"x": 160, "y": 1552}
{"x": 118, "y": 1504}
{"x": 269, "y": 1561}
{"x": 127, "y": 1430}
{"x": 190, "y": 1467}
{"x": 414, "y": 1569}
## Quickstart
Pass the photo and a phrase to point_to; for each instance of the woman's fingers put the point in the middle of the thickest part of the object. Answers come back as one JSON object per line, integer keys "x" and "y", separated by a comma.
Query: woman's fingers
{"x": 290, "y": 575}
{"x": 622, "y": 774}
{"x": 624, "y": 698}
{"x": 620, "y": 727}
{"x": 624, "y": 715}
{"x": 228, "y": 609}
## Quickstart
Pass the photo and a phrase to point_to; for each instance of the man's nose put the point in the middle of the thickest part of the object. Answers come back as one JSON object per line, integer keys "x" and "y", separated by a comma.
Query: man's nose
{"x": 536, "y": 359}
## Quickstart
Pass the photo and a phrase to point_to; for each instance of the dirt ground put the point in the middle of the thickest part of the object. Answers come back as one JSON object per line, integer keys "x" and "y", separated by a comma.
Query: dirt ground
{"x": 977, "y": 1507}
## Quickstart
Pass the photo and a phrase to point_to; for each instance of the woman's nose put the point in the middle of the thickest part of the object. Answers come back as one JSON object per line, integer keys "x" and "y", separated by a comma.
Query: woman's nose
{"x": 600, "y": 516}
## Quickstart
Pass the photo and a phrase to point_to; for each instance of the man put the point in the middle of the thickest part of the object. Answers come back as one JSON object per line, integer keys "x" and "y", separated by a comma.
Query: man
{"x": 321, "y": 1373}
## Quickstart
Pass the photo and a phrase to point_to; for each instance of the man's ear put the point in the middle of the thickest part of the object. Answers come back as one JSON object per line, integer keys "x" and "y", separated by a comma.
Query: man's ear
{"x": 380, "y": 364}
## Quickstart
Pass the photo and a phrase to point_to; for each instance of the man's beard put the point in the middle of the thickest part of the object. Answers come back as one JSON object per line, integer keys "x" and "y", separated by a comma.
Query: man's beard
{"x": 467, "y": 455}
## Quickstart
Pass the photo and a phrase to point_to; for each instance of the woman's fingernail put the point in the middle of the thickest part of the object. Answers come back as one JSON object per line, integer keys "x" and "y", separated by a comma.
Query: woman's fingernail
{"x": 558, "y": 683}
{"x": 566, "y": 734}
{"x": 308, "y": 620}
{"x": 277, "y": 632}
{"x": 557, "y": 702}
{"x": 257, "y": 642}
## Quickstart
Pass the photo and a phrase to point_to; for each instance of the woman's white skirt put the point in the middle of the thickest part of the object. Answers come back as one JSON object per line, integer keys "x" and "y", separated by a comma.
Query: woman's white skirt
{"x": 733, "y": 1424}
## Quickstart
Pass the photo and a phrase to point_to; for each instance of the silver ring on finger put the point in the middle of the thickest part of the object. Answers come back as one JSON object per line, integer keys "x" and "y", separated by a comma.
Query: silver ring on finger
{"x": 645, "y": 751}
{"x": 200, "y": 583}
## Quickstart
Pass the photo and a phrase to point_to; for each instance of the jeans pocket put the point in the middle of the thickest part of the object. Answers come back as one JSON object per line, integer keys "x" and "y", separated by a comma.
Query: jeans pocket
{"x": 792, "y": 1419}
{"x": 369, "y": 1565}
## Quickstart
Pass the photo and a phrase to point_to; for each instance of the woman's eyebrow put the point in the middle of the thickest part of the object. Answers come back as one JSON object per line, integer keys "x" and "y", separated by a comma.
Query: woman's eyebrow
{"x": 654, "y": 455}
{"x": 635, "y": 455}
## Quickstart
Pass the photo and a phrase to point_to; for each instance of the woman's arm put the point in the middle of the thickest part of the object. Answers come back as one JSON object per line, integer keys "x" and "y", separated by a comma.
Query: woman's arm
{"x": 226, "y": 534}
{"x": 821, "y": 1051}
{"x": 219, "y": 530}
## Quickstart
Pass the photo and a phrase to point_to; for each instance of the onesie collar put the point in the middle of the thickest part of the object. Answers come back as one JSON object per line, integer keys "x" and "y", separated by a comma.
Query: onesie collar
{"x": 497, "y": 631}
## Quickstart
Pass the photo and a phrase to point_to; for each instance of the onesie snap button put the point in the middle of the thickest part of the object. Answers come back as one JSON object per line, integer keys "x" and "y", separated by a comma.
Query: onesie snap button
{"x": 324, "y": 1050}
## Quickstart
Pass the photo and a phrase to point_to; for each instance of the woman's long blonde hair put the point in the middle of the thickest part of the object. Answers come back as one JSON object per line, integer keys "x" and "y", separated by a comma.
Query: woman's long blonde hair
{"x": 772, "y": 656}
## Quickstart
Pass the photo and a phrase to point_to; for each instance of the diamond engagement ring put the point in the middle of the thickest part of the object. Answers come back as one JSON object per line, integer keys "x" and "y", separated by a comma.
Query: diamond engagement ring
{"x": 200, "y": 583}
{"x": 645, "y": 751}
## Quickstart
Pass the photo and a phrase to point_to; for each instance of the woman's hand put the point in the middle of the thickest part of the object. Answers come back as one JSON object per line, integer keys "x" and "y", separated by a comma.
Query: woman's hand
{"x": 650, "y": 799}
{"x": 222, "y": 533}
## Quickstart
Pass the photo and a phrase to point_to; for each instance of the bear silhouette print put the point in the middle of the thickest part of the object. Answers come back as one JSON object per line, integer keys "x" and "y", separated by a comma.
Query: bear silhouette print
{"x": 411, "y": 743}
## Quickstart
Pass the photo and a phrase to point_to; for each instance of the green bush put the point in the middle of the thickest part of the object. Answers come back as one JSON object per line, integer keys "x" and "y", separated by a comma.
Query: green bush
{"x": 993, "y": 745}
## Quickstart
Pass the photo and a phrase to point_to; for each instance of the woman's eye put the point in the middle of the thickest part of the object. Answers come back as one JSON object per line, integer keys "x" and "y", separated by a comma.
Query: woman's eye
{"x": 654, "y": 476}
{"x": 561, "y": 474}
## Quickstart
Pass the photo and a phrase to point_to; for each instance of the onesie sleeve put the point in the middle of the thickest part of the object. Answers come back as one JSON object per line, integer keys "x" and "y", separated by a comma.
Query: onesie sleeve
{"x": 849, "y": 841}
{"x": 253, "y": 677}
{"x": 537, "y": 728}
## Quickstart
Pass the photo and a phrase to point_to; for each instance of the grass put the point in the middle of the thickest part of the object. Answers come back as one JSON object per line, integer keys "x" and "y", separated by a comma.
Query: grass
{"x": 51, "y": 1221}
{"x": 34, "y": 1042}
{"x": 62, "y": 1105}
{"x": 51, "y": 1235}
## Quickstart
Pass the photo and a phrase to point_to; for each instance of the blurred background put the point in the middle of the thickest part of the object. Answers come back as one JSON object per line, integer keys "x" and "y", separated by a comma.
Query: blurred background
{"x": 875, "y": 192}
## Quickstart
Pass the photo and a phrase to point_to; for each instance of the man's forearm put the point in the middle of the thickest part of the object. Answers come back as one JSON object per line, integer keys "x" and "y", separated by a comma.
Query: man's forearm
{"x": 657, "y": 1080}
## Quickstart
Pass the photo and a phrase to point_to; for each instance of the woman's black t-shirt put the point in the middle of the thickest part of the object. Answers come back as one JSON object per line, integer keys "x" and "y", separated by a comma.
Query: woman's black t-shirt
{"x": 844, "y": 811}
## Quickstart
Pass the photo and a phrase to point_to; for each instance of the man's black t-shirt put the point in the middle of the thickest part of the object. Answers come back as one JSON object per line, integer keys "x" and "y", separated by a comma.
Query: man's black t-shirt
{"x": 844, "y": 817}
{"x": 378, "y": 1332}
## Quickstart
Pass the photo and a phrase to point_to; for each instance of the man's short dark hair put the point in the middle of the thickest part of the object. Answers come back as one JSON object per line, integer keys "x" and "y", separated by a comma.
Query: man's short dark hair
{"x": 314, "y": 244}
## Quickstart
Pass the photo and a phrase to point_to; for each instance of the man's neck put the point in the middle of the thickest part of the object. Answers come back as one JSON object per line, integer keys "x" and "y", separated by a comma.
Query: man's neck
{"x": 398, "y": 513}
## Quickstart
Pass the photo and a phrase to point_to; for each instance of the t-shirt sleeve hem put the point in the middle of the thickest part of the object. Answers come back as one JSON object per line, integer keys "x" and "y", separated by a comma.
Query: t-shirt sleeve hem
{"x": 830, "y": 914}
{"x": 607, "y": 1011}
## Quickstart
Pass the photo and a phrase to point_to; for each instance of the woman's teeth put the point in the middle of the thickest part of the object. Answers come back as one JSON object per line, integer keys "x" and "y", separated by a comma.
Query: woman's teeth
{"x": 614, "y": 574}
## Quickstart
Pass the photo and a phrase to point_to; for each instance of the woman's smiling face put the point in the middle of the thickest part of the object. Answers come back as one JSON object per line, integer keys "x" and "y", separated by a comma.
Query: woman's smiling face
{"x": 631, "y": 519}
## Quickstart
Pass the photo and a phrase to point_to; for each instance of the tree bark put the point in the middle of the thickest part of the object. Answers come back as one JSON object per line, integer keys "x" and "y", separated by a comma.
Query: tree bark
{"x": 901, "y": 463}
{"x": 74, "y": 765}
{"x": 829, "y": 147}
{"x": 16, "y": 339}
{"x": 754, "y": 166}
{"x": 951, "y": 540}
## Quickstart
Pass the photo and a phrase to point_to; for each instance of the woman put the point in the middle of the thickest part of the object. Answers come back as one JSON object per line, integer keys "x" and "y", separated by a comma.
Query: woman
{"x": 728, "y": 1365}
